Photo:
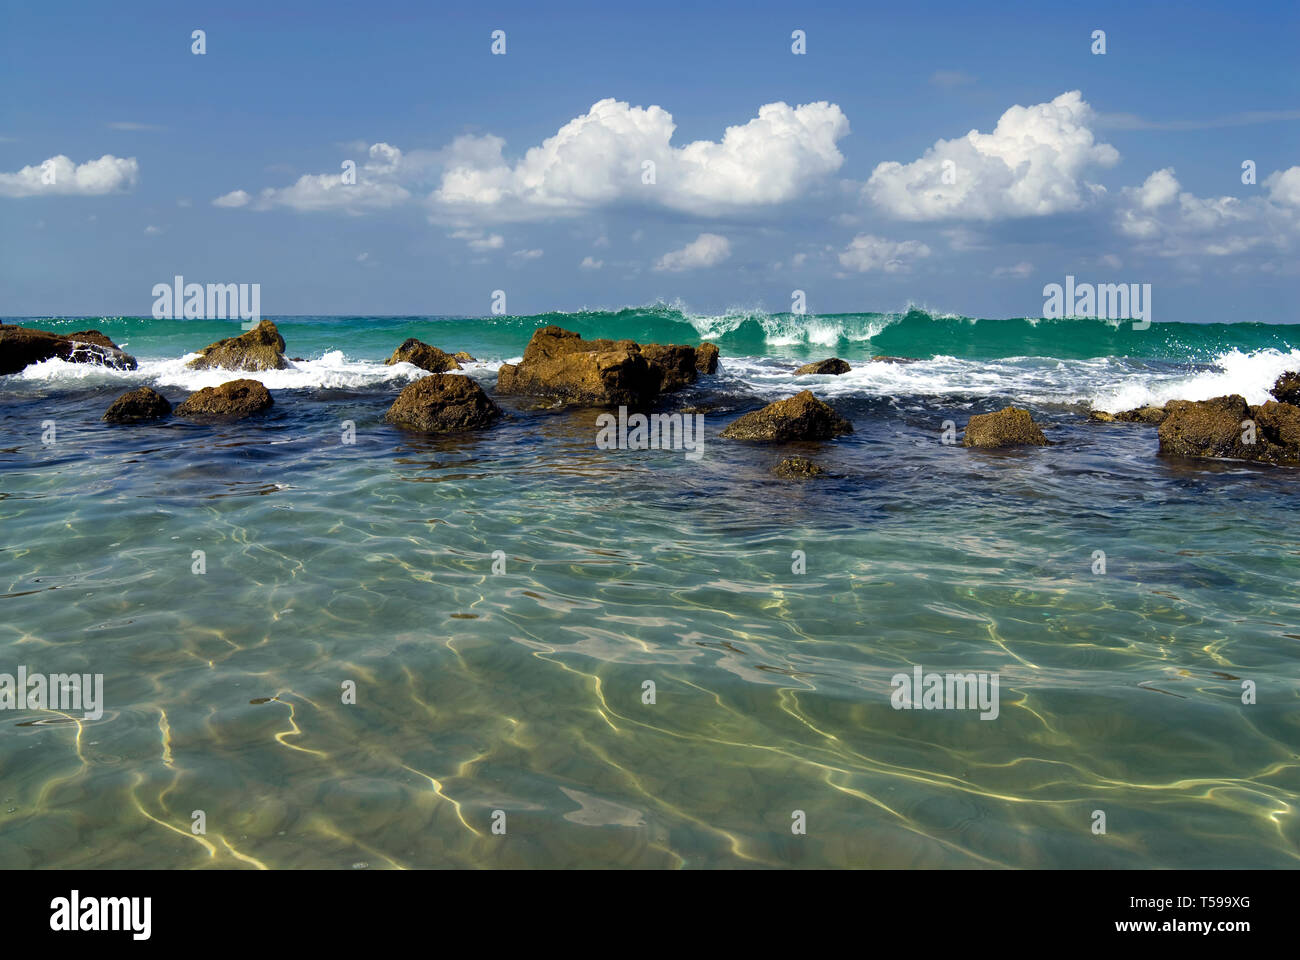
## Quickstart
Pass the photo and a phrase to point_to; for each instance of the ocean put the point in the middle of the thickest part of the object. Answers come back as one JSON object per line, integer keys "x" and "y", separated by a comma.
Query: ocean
{"x": 512, "y": 648}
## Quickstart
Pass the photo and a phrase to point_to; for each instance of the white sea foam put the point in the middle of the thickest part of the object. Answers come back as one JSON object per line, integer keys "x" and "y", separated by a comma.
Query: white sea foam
{"x": 1251, "y": 375}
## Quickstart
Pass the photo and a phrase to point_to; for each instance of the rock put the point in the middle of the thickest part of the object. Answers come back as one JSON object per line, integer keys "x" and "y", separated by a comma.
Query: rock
{"x": 1221, "y": 429}
{"x": 443, "y": 403}
{"x": 136, "y": 406}
{"x": 464, "y": 357}
{"x": 21, "y": 346}
{"x": 1008, "y": 427}
{"x": 261, "y": 348}
{"x": 834, "y": 366}
{"x": 801, "y": 417}
{"x": 1287, "y": 388}
{"x": 558, "y": 363}
{"x": 796, "y": 468}
{"x": 423, "y": 356}
{"x": 676, "y": 364}
{"x": 1152, "y": 415}
{"x": 233, "y": 400}
{"x": 884, "y": 359}
{"x": 706, "y": 357}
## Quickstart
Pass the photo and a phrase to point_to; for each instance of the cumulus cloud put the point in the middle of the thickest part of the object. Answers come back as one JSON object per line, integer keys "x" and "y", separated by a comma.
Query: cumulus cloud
{"x": 478, "y": 240}
{"x": 706, "y": 250}
{"x": 376, "y": 187}
{"x": 1164, "y": 219}
{"x": 60, "y": 176}
{"x": 526, "y": 254}
{"x": 867, "y": 252}
{"x": 1019, "y": 271}
{"x": 620, "y": 154}
{"x": 1032, "y": 164}
{"x": 235, "y": 198}
{"x": 590, "y": 263}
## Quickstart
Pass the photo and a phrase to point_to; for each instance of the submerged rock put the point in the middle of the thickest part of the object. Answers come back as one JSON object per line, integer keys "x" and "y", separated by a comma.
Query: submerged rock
{"x": 1008, "y": 427}
{"x": 233, "y": 400}
{"x": 801, "y": 417}
{"x": 1152, "y": 415}
{"x": 1228, "y": 428}
{"x": 676, "y": 364}
{"x": 261, "y": 348}
{"x": 22, "y": 346}
{"x": 834, "y": 366}
{"x": 706, "y": 357}
{"x": 423, "y": 356}
{"x": 884, "y": 359}
{"x": 797, "y": 468}
{"x": 136, "y": 406}
{"x": 1287, "y": 388}
{"x": 443, "y": 403}
{"x": 559, "y": 363}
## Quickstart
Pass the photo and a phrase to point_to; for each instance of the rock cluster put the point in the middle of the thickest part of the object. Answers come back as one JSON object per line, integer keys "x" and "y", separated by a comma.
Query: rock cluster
{"x": 23, "y": 346}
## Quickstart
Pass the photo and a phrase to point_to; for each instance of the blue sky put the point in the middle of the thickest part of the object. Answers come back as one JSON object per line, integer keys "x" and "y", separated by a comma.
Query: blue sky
{"x": 1136, "y": 178}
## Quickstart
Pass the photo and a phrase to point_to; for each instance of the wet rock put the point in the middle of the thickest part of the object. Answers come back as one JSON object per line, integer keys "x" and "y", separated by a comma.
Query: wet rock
{"x": 1228, "y": 428}
{"x": 423, "y": 356}
{"x": 1101, "y": 416}
{"x": 464, "y": 357}
{"x": 834, "y": 367}
{"x": 443, "y": 403}
{"x": 261, "y": 348}
{"x": 22, "y": 346}
{"x": 560, "y": 364}
{"x": 1151, "y": 415}
{"x": 233, "y": 400}
{"x": 137, "y": 406}
{"x": 706, "y": 357}
{"x": 1287, "y": 388}
{"x": 801, "y": 417}
{"x": 797, "y": 468}
{"x": 1008, "y": 427}
{"x": 676, "y": 364}
{"x": 884, "y": 359}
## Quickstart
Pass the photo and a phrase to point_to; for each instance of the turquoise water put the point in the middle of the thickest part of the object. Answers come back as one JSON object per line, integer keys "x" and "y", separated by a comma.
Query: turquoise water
{"x": 521, "y": 690}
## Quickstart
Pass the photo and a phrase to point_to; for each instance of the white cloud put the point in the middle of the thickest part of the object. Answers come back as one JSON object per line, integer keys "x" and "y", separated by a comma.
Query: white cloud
{"x": 477, "y": 240}
{"x": 108, "y": 174}
{"x": 868, "y": 252}
{"x": 1030, "y": 165}
{"x": 1168, "y": 221}
{"x": 526, "y": 254}
{"x": 1020, "y": 271}
{"x": 588, "y": 263}
{"x": 153, "y": 229}
{"x": 706, "y": 250}
{"x": 598, "y": 159}
{"x": 235, "y": 198}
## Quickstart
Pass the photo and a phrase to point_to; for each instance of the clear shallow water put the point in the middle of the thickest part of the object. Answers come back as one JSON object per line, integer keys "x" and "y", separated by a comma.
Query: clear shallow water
{"x": 522, "y": 691}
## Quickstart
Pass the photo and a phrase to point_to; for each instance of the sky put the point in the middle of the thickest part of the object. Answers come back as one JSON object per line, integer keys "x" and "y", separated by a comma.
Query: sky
{"x": 936, "y": 154}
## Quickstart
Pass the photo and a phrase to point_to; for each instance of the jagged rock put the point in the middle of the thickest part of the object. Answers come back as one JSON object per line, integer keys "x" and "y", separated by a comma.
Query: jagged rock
{"x": 1287, "y": 388}
{"x": 559, "y": 363}
{"x": 423, "y": 356}
{"x": 261, "y": 348}
{"x": 1228, "y": 428}
{"x": 1008, "y": 427}
{"x": 676, "y": 364}
{"x": 796, "y": 468}
{"x": 1101, "y": 416}
{"x": 706, "y": 357}
{"x": 464, "y": 357}
{"x": 834, "y": 366}
{"x": 1151, "y": 415}
{"x": 443, "y": 403}
{"x": 233, "y": 400}
{"x": 22, "y": 346}
{"x": 138, "y": 405}
{"x": 801, "y": 417}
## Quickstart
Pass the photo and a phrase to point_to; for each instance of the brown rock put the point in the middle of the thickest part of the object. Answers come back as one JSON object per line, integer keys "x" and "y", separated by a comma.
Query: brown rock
{"x": 1228, "y": 428}
{"x": 706, "y": 357}
{"x": 1101, "y": 416}
{"x": 559, "y": 363}
{"x": 676, "y": 364}
{"x": 1152, "y": 415}
{"x": 464, "y": 357}
{"x": 443, "y": 403}
{"x": 136, "y": 406}
{"x": 797, "y": 468}
{"x": 801, "y": 417}
{"x": 1008, "y": 427}
{"x": 261, "y": 348}
{"x": 1287, "y": 388}
{"x": 21, "y": 346}
{"x": 423, "y": 356}
{"x": 834, "y": 367}
{"x": 233, "y": 400}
